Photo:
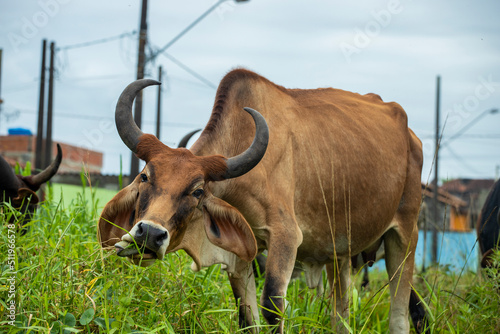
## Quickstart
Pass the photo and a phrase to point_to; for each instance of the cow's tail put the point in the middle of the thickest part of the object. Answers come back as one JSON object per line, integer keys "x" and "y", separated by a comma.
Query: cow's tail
{"x": 418, "y": 314}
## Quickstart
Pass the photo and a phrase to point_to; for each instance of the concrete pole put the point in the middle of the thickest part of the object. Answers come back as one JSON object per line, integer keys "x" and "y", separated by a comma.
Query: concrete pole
{"x": 50, "y": 103}
{"x": 158, "y": 106}
{"x": 436, "y": 176}
{"x": 141, "y": 62}
{"x": 41, "y": 104}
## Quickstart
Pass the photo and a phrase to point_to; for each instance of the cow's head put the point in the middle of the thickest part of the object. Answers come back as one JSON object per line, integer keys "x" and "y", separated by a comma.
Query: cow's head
{"x": 149, "y": 218}
{"x": 20, "y": 191}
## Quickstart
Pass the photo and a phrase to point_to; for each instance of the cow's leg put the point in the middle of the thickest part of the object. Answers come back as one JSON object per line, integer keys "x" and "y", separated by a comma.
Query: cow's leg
{"x": 366, "y": 277}
{"x": 243, "y": 286}
{"x": 339, "y": 280}
{"x": 400, "y": 253}
{"x": 282, "y": 252}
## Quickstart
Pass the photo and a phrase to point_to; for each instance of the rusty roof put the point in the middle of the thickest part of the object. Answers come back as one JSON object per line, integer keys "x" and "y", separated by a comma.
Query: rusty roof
{"x": 443, "y": 196}
{"x": 468, "y": 185}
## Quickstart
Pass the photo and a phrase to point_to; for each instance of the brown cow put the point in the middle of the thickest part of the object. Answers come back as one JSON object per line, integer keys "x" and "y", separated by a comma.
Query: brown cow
{"x": 341, "y": 173}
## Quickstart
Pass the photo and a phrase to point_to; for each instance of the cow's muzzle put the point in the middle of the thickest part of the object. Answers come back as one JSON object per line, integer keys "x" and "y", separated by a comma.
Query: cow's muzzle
{"x": 145, "y": 243}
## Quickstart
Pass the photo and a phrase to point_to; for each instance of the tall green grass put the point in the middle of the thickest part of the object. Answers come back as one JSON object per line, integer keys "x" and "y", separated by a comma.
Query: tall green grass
{"x": 65, "y": 283}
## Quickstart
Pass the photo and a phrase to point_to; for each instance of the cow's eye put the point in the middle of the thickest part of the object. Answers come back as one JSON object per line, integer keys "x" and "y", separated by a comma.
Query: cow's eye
{"x": 198, "y": 193}
{"x": 144, "y": 178}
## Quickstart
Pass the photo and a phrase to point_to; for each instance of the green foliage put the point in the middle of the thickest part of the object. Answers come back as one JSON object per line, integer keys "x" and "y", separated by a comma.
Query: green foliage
{"x": 65, "y": 283}
{"x": 87, "y": 316}
{"x": 26, "y": 171}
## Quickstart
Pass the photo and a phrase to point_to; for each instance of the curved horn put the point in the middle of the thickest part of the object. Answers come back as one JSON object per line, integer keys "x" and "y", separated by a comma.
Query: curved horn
{"x": 244, "y": 162}
{"x": 185, "y": 139}
{"x": 125, "y": 124}
{"x": 45, "y": 175}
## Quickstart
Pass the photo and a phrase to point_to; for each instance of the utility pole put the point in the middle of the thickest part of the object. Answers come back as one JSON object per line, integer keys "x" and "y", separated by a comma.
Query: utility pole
{"x": 48, "y": 139}
{"x": 436, "y": 175}
{"x": 158, "y": 106}
{"x": 39, "y": 131}
{"x": 141, "y": 62}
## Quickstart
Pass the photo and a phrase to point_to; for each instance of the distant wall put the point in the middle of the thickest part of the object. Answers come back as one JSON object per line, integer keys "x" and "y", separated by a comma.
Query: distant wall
{"x": 21, "y": 149}
{"x": 456, "y": 250}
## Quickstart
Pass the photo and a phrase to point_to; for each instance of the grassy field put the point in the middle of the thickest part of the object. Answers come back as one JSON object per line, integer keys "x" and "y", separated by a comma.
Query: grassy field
{"x": 64, "y": 283}
{"x": 66, "y": 193}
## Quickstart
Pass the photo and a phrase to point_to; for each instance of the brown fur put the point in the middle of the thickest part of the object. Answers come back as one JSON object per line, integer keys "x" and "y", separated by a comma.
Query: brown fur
{"x": 222, "y": 97}
{"x": 117, "y": 213}
{"x": 149, "y": 146}
{"x": 236, "y": 239}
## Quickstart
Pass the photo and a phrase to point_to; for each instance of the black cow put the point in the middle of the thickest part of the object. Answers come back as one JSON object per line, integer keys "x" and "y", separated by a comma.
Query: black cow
{"x": 20, "y": 191}
{"x": 488, "y": 225}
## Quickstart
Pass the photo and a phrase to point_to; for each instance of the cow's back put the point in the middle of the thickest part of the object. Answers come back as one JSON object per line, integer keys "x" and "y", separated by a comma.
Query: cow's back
{"x": 329, "y": 151}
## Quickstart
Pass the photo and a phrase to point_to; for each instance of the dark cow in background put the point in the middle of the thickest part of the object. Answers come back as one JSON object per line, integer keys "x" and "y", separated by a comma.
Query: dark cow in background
{"x": 488, "y": 225}
{"x": 340, "y": 175}
{"x": 20, "y": 191}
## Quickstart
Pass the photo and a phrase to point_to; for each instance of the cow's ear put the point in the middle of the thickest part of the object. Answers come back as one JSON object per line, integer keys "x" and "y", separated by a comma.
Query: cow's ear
{"x": 118, "y": 215}
{"x": 23, "y": 195}
{"x": 226, "y": 227}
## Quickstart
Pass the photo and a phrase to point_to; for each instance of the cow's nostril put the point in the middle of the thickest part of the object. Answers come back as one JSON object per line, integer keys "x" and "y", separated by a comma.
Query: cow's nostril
{"x": 140, "y": 230}
{"x": 150, "y": 236}
{"x": 163, "y": 236}
{"x": 160, "y": 238}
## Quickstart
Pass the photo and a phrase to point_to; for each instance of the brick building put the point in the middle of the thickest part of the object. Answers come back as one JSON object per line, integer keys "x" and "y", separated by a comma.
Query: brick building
{"x": 21, "y": 149}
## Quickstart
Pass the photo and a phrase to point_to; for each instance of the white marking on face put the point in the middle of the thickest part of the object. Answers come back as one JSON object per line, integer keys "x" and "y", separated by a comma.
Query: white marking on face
{"x": 129, "y": 237}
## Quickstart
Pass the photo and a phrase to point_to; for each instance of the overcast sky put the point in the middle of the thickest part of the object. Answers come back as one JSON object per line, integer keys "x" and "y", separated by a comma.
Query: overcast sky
{"x": 392, "y": 48}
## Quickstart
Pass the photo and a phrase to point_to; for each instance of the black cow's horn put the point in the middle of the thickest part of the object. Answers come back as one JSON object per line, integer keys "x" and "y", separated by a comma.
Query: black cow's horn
{"x": 45, "y": 175}
{"x": 244, "y": 162}
{"x": 125, "y": 124}
{"x": 185, "y": 139}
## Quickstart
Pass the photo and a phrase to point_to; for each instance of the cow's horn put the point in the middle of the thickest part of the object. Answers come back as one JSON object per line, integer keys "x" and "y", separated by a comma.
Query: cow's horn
{"x": 45, "y": 175}
{"x": 244, "y": 162}
{"x": 185, "y": 139}
{"x": 125, "y": 124}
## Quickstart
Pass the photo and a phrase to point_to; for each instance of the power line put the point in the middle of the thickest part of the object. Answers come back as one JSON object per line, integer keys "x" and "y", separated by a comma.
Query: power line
{"x": 461, "y": 161}
{"x": 189, "y": 70}
{"x": 183, "y": 32}
{"x": 470, "y": 136}
{"x": 95, "y": 77}
{"x": 97, "y": 41}
{"x": 99, "y": 118}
